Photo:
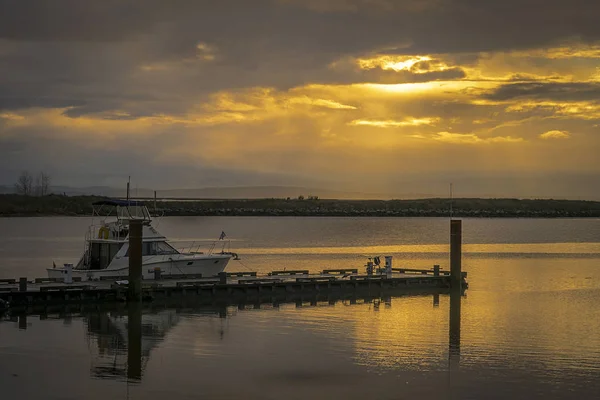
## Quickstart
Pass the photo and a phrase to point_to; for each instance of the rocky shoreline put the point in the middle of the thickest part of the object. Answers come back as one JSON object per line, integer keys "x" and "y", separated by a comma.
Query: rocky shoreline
{"x": 56, "y": 205}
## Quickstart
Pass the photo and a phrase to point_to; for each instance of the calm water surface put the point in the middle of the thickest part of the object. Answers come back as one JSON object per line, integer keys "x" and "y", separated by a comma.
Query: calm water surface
{"x": 529, "y": 325}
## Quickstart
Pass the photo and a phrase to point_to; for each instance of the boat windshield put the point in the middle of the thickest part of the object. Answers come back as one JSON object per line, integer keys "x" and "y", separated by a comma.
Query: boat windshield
{"x": 155, "y": 249}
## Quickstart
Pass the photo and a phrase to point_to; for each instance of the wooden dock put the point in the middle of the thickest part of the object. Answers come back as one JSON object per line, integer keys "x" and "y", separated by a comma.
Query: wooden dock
{"x": 229, "y": 286}
{"x": 233, "y": 286}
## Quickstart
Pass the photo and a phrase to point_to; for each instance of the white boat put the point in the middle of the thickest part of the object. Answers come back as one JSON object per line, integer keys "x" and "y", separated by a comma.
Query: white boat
{"x": 107, "y": 247}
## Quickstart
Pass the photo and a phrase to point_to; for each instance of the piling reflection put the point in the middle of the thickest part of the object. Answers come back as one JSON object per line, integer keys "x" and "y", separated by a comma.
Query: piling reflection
{"x": 454, "y": 328}
{"x": 121, "y": 343}
{"x": 134, "y": 335}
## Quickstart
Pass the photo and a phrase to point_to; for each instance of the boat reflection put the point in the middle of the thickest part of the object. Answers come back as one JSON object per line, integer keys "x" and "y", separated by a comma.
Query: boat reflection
{"x": 121, "y": 342}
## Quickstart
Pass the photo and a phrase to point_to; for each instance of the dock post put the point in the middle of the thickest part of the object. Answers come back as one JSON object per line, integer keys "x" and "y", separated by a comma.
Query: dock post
{"x": 69, "y": 273}
{"x": 455, "y": 252}
{"x": 22, "y": 284}
{"x": 223, "y": 278}
{"x": 135, "y": 259}
{"x": 157, "y": 273}
{"x": 436, "y": 270}
{"x": 388, "y": 267}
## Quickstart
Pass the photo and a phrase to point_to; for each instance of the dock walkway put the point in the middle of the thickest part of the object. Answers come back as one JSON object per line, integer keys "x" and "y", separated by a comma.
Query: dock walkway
{"x": 228, "y": 285}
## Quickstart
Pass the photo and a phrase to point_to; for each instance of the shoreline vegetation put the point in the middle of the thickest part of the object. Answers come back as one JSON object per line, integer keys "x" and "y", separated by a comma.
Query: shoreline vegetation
{"x": 12, "y": 205}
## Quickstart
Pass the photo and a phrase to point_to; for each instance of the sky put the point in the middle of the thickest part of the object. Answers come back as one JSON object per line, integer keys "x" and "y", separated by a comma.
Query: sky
{"x": 502, "y": 98}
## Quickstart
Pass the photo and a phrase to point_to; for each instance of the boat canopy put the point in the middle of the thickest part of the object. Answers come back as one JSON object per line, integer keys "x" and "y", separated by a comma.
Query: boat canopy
{"x": 126, "y": 209}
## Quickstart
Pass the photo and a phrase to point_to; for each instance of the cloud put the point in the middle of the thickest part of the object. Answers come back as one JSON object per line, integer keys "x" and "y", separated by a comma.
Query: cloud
{"x": 11, "y": 116}
{"x": 470, "y": 138}
{"x": 394, "y": 124}
{"x": 555, "y": 135}
{"x": 321, "y": 103}
{"x": 558, "y": 91}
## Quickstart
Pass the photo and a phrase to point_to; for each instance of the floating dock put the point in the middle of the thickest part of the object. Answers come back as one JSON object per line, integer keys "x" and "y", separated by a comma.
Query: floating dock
{"x": 231, "y": 286}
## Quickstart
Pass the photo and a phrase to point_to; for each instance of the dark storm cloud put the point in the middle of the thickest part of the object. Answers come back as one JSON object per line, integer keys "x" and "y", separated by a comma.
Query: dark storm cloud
{"x": 466, "y": 25}
{"x": 88, "y": 52}
{"x": 444, "y": 26}
{"x": 574, "y": 91}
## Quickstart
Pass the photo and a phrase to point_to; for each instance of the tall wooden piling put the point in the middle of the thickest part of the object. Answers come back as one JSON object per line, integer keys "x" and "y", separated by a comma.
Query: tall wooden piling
{"x": 135, "y": 260}
{"x": 456, "y": 252}
{"x": 22, "y": 284}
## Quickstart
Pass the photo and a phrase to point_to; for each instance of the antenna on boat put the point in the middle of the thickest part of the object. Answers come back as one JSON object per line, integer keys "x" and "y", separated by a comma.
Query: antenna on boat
{"x": 128, "y": 183}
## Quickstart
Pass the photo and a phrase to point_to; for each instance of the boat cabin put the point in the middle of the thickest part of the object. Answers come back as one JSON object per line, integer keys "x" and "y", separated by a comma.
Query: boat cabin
{"x": 109, "y": 240}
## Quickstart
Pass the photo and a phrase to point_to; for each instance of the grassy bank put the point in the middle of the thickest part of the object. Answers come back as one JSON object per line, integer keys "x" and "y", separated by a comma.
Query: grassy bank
{"x": 15, "y": 205}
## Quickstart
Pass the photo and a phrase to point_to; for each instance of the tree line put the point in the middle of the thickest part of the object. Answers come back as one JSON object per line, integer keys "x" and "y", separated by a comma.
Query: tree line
{"x": 28, "y": 185}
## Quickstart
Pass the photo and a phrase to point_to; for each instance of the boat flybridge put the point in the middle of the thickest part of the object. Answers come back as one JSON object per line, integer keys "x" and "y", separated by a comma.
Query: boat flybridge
{"x": 107, "y": 248}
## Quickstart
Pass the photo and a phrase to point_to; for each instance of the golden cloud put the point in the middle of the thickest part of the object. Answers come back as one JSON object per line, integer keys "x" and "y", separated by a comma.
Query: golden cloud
{"x": 555, "y": 135}
{"x": 417, "y": 64}
{"x": 471, "y": 138}
{"x": 320, "y": 103}
{"x": 11, "y": 116}
{"x": 393, "y": 123}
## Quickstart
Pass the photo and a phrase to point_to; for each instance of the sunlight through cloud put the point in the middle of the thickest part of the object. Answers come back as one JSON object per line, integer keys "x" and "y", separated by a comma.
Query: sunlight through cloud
{"x": 555, "y": 135}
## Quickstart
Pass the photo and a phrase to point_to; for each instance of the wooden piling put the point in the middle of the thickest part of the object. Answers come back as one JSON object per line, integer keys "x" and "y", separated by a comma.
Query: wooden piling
{"x": 135, "y": 259}
{"x": 456, "y": 252}
{"x": 22, "y": 284}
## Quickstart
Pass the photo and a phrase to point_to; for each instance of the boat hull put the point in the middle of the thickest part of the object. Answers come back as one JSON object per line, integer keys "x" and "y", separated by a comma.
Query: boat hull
{"x": 207, "y": 265}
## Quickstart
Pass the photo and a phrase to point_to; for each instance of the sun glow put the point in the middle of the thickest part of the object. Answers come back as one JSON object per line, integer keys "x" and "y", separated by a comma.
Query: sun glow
{"x": 394, "y": 124}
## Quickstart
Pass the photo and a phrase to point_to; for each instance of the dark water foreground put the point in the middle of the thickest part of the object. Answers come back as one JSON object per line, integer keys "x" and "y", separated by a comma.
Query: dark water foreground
{"x": 429, "y": 346}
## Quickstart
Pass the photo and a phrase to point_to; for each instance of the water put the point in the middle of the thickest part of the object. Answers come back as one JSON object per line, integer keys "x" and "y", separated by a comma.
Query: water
{"x": 529, "y": 326}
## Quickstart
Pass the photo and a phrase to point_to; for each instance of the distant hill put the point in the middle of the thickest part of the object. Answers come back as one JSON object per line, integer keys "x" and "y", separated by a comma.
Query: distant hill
{"x": 258, "y": 192}
{"x": 406, "y": 191}
{"x": 241, "y": 192}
